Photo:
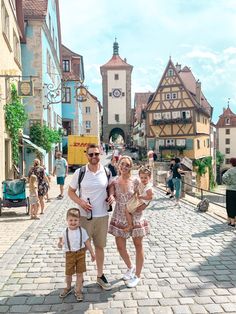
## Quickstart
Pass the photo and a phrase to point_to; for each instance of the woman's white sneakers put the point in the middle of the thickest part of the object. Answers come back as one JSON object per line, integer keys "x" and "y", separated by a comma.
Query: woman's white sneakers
{"x": 129, "y": 274}
{"x": 133, "y": 282}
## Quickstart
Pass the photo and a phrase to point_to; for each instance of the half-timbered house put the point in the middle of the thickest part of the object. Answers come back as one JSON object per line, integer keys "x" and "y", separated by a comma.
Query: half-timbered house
{"x": 179, "y": 115}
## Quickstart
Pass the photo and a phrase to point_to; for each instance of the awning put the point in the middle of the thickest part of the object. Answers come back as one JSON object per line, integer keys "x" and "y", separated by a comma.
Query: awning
{"x": 39, "y": 149}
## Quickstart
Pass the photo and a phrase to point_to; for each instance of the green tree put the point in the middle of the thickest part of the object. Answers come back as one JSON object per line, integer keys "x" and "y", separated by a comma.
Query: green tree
{"x": 15, "y": 118}
{"x": 44, "y": 137}
{"x": 219, "y": 158}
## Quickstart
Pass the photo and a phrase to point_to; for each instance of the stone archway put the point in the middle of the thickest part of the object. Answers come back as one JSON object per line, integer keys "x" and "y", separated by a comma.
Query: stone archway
{"x": 115, "y": 133}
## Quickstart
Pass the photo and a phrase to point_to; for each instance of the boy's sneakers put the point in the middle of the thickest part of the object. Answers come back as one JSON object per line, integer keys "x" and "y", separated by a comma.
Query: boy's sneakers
{"x": 133, "y": 282}
{"x": 129, "y": 274}
{"x": 103, "y": 282}
{"x": 167, "y": 193}
{"x": 172, "y": 196}
{"x": 60, "y": 197}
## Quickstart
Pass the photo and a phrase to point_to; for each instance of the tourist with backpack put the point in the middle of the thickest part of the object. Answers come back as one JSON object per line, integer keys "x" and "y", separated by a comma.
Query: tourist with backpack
{"x": 89, "y": 190}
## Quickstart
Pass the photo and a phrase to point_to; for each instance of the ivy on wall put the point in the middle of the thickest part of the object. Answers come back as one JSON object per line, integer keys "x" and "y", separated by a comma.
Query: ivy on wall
{"x": 43, "y": 136}
{"x": 201, "y": 168}
{"x": 15, "y": 118}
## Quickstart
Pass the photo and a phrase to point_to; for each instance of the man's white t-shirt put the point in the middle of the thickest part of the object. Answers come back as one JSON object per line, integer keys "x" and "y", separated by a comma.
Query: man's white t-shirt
{"x": 74, "y": 239}
{"x": 93, "y": 186}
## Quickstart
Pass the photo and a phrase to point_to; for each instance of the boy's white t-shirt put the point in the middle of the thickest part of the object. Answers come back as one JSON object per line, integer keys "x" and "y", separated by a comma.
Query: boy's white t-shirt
{"x": 74, "y": 238}
{"x": 93, "y": 186}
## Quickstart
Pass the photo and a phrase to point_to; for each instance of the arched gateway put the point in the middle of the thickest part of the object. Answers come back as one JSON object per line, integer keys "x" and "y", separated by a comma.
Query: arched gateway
{"x": 116, "y": 85}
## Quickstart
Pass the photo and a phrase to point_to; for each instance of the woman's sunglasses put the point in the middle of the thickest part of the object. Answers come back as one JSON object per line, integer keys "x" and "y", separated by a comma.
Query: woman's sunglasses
{"x": 93, "y": 154}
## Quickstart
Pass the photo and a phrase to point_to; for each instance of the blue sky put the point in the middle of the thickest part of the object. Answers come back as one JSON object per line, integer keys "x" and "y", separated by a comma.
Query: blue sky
{"x": 196, "y": 33}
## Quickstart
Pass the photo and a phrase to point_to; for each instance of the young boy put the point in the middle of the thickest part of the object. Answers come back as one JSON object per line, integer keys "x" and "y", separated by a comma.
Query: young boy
{"x": 75, "y": 241}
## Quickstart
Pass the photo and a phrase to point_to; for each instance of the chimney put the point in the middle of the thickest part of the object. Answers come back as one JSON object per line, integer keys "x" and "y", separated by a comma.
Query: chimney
{"x": 224, "y": 109}
{"x": 178, "y": 67}
{"x": 125, "y": 60}
{"x": 198, "y": 92}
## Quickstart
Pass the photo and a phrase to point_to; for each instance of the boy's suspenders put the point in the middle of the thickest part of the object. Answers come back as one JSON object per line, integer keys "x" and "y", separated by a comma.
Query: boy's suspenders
{"x": 68, "y": 241}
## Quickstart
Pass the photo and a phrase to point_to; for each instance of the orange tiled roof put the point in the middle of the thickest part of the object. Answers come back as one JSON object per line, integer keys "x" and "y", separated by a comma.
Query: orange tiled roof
{"x": 227, "y": 113}
{"x": 35, "y": 8}
{"x": 190, "y": 83}
{"x": 116, "y": 61}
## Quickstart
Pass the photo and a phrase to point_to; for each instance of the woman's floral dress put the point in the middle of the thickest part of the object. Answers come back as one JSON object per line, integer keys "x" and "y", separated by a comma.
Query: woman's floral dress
{"x": 118, "y": 220}
{"x": 42, "y": 184}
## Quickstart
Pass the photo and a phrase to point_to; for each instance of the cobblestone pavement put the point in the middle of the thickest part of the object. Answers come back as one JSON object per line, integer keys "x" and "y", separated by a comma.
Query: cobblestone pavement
{"x": 190, "y": 266}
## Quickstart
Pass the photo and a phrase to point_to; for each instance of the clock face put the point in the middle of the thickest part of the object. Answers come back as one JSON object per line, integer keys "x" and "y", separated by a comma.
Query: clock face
{"x": 116, "y": 92}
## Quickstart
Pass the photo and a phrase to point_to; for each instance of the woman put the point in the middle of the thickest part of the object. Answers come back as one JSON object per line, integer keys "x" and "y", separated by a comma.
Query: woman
{"x": 124, "y": 186}
{"x": 43, "y": 183}
{"x": 229, "y": 178}
{"x": 176, "y": 178}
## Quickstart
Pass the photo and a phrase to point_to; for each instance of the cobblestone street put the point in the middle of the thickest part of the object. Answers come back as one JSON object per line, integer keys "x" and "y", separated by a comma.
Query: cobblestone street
{"x": 190, "y": 266}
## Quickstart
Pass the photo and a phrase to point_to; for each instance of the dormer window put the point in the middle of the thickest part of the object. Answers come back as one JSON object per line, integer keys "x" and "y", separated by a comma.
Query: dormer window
{"x": 227, "y": 121}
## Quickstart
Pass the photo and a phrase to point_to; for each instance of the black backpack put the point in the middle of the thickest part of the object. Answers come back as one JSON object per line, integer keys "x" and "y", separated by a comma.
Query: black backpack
{"x": 82, "y": 173}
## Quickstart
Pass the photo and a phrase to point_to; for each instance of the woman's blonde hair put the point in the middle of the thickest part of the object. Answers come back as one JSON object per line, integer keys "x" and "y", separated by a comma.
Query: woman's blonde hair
{"x": 32, "y": 181}
{"x": 123, "y": 158}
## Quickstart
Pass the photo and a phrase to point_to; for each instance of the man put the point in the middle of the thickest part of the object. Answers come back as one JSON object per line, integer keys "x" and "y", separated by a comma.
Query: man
{"x": 61, "y": 171}
{"x": 92, "y": 197}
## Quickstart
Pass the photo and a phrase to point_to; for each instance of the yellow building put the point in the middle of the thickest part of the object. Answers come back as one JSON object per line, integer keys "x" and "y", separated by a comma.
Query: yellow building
{"x": 11, "y": 34}
{"x": 179, "y": 116}
{"x": 91, "y": 113}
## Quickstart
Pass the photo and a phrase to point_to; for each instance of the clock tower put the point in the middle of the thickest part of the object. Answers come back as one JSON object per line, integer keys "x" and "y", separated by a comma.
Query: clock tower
{"x": 116, "y": 87}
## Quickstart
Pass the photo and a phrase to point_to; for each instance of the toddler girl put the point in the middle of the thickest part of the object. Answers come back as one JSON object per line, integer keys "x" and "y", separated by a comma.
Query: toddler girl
{"x": 145, "y": 193}
{"x": 33, "y": 196}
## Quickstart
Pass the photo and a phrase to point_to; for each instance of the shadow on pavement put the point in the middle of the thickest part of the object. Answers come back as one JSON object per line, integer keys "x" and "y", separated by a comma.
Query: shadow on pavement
{"x": 51, "y": 302}
{"x": 215, "y": 229}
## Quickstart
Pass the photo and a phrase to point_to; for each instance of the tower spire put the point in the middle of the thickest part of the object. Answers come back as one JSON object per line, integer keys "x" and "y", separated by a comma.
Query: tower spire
{"x": 115, "y": 48}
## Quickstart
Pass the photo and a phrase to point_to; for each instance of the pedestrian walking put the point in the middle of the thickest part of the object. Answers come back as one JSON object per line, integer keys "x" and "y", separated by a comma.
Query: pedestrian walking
{"x": 93, "y": 201}
{"x": 150, "y": 157}
{"x": 144, "y": 194}
{"x": 177, "y": 181}
{"x": 229, "y": 178}
{"x": 106, "y": 148}
{"x": 112, "y": 166}
{"x": 124, "y": 186}
{"x": 33, "y": 197}
{"x": 116, "y": 153}
{"x": 75, "y": 241}
{"x": 43, "y": 183}
{"x": 49, "y": 180}
{"x": 169, "y": 180}
{"x": 61, "y": 171}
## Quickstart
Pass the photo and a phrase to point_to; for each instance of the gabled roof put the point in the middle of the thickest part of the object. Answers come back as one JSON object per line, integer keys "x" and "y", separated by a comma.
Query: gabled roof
{"x": 35, "y": 8}
{"x": 188, "y": 80}
{"x": 69, "y": 53}
{"x": 77, "y": 65}
{"x": 227, "y": 113}
{"x": 190, "y": 83}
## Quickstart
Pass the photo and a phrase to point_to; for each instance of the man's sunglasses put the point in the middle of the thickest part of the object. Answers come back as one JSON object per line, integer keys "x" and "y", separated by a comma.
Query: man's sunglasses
{"x": 93, "y": 154}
